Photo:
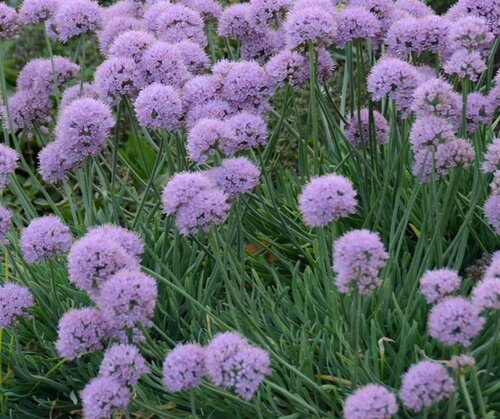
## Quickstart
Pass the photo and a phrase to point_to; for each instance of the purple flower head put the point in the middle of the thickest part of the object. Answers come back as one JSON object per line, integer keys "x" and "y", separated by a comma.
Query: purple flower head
{"x": 494, "y": 95}
{"x": 371, "y": 401}
{"x": 288, "y": 67}
{"x": 493, "y": 271}
{"x": 492, "y": 157}
{"x": 15, "y": 300}
{"x": 184, "y": 367}
{"x": 102, "y": 396}
{"x": 159, "y": 106}
{"x": 127, "y": 300}
{"x": 200, "y": 90}
{"x": 179, "y": 23}
{"x": 415, "y": 8}
{"x": 129, "y": 240}
{"x": 234, "y": 364}
{"x": 247, "y": 87}
{"x": 326, "y": 65}
{"x": 131, "y": 44}
{"x": 269, "y": 13}
{"x": 235, "y": 21}
{"x": 115, "y": 78}
{"x": 181, "y": 189}
{"x": 194, "y": 56}
{"x": 5, "y": 217}
{"x": 163, "y": 63}
{"x": 492, "y": 212}
{"x": 396, "y": 79}
{"x": 80, "y": 332}
{"x": 310, "y": 24}
{"x": 360, "y": 135}
{"x": 45, "y": 238}
{"x": 206, "y": 138}
{"x": 327, "y": 198}
{"x": 210, "y": 206}
{"x": 53, "y": 165}
{"x": 235, "y": 176}
{"x": 77, "y": 17}
{"x": 93, "y": 260}
{"x": 128, "y": 8}
{"x": 25, "y": 109}
{"x": 436, "y": 97}
{"x": 433, "y": 33}
{"x": 34, "y": 11}
{"x": 77, "y": 92}
{"x": 212, "y": 109}
{"x": 424, "y": 384}
{"x": 8, "y": 164}
{"x": 462, "y": 363}
{"x": 152, "y": 12}
{"x": 456, "y": 11}
{"x": 222, "y": 68}
{"x": 382, "y": 9}
{"x": 358, "y": 258}
{"x": 246, "y": 131}
{"x": 10, "y": 22}
{"x": 123, "y": 363}
{"x": 404, "y": 37}
{"x": 456, "y": 153}
{"x": 208, "y": 9}
{"x": 437, "y": 284}
{"x": 486, "y": 294}
{"x": 355, "y": 23}
{"x": 465, "y": 64}
{"x": 113, "y": 28}
{"x": 487, "y": 9}
{"x": 260, "y": 46}
{"x": 478, "y": 111}
{"x": 455, "y": 321}
{"x": 471, "y": 33}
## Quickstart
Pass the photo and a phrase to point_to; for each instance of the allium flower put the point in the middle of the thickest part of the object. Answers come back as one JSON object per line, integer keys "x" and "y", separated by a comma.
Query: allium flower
{"x": 310, "y": 24}
{"x": 114, "y": 27}
{"x": 486, "y": 294}
{"x": 327, "y": 198}
{"x": 25, "y": 109}
{"x": 208, "y": 207}
{"x": 465, "y": 64}
{"x": 15, "y": 300}
{"x": 326, "y": 65}
{"x": 288, "y": 67}
{"x": 93, "y": 260}
{"x": 208, "y": 9}
{"x": 127, "y": 300}
{"x": 83, "y": 128}
{"x": 260, "y": 46}
{"x": 5, "y": 217}
{"x": 455, "y": 321}
{"x": 358, "y": 258}
{"x": 8, "y": 164}
{"x": 163, "y": 63}
{"x": 415, "y": 8}
{"x": 269, "y": 12}
{"x": 396, "y": 79}
{"x": 403, "y": 37}
{"x": 433, "y": 32}
{"x": 494, "y": 95}
{"x": 206, "y": 138}
{"x": 131, "y": 44}
{"x": 194, "y": 56}
{"x": 234, "y": 364}
{"x": 235, "y": 176}
{"x": 77, "y": 92}
{"x": 153, "y": 10}
{"x": 492, "y": 212}
{"x": 383, "y": 9}
{"x": 80, "y": 332}
{"x": 235, "y": 21}
{"x": 129, "y": 240}
{"x": 53, "y": 165}
{"x": 34, "y": 11}
{"x": 45, "y": 238}
{"x": 456, "y": 153}
{"x": 247, "y": 87}
{"x": 102, "y": 396}
{"x": 493, "y": 270}
{"x": 371, "y": 401}
{"x": 355, "y": 23}
{"x": 380, "y": 128}
{"x": 115, "y": 78}
{"x": 124, "y": 364}
{"x": 246, "y": 131}
{"x": 222, "y": 68}
{"x": 487, "y": 9}
{"x": 212, "y": 109}
{"x": 179, "y": 23}
{"x": 462, "y": 363}
{"x": 77, "y": 17}
{"x": 130, "y": 8}
{"x": 428, "y": 131}
{"x": 470, "y": 33}
{"x": 424, "y": 165}
{"x": 492, "y": 157}
{"x": 478, "y": 111}
{"x": 181, "y": 189}
{"x": 200, "y": 90}
{"x": 437, "y": 284}
{"x": 10, "y": 22}
{"x": 424, "y": 384}
{"x": 159, "y": 106}
{"x": 184, "y": 367}
{"x": 436, "y": 97}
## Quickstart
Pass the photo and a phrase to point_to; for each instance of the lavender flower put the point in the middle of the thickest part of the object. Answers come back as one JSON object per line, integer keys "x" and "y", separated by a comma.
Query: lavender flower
{"x": 433, "y": 32}
{"x": 5, "y": 217}
{"x": 378, "y": 127}
{"x": 470, "y": 33}
{"x": 492, "y": 157}
{"x": 131, "y": 44}
{"x": 235, "y": 21}
{"x": 327, "y": 198}
{"x": 456, "y": 153}
{"x": 80, "y": 331}
{"x": 151, "y": 14}
{"x": 486, "y": 294}
{"x": 415, "y": 8}
{"x": 208, "y": 9}
{"x": 206, "y": 138}
{"x": 325, "y": 65}
{"x": 179, "y": 23}
{"x": 288, "y": 67}
{"x": 45, "y": 238}
{"x": 184, "y": 367}
{"x": 462, "y": 363}
{"x": 116, "y": 78}
{"x": 455, "y": 321}
{"x": 478, "y": 111}
{"x": 129, "y": 240}
{"x": 492, "y": 212}
{"x": 200, "y": 90}
{"x": 212, "y": 109}
{"x": 355, "y": 23}
{"x": 231, "y": 362}
{"x": 437, "y": 284}
{"x": 15, "y": 300}
{"x": 114, "y": 27}
{"x": 269, "y": 13}
{"x": 124, "y": 364}
{"x": 404, "y": 38}
{"x": 428, "y": 131}
{"x": 53, "y": 166}
{"x": 77, "y": 17}
{"x": 159, "y": 106}
{"x": 246, "y": 131}
{"x": 102, "y": 396}
{"x": 77, "y": 92}
{"x": 260, "y": 46}
{"x": 8, "y": 164}
{"x": 310, "y": 24}
{"x": 487, "y": 9}
{"x": 424, "y": 384}
{"x": 181, "y": 189}
{"x": 493, "y": 270}
{"x": 25, "y": 109}
{"x": 465, "y": 64}
{"x": 371, "y": 401}
{"x": 195, "y": 58}
{"x": 358, "y": 258}
{"x": 130, "y": 8}
{"x": 34, "y": 11}
{"x": 235, "y": 176}
{"x": 10, "y": 22}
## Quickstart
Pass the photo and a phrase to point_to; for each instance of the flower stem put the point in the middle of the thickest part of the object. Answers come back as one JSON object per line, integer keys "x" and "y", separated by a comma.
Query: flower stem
{"x": 463, "y": 385}
{"x": 356, "y": 322}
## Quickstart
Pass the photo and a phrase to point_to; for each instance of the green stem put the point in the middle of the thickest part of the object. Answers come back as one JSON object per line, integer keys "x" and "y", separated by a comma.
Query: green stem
{"x": 355, "y": 324}
{"x": 463, "y": 385}
{"x": 479, "y": 394}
